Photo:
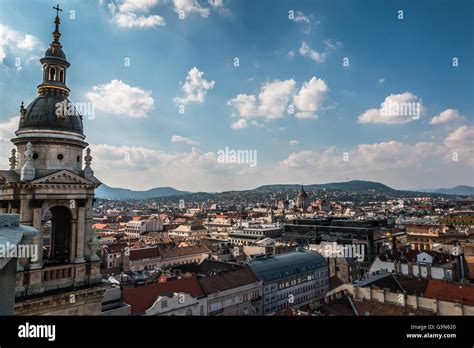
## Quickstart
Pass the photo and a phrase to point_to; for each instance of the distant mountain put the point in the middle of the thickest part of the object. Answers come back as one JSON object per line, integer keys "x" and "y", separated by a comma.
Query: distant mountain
{"x": 108, "y": 192}
{"x": 461, "y": 190}
{"x": 358, "y": 186}
{"x": 354, "y": 186}
{"x": 458, "y": 190}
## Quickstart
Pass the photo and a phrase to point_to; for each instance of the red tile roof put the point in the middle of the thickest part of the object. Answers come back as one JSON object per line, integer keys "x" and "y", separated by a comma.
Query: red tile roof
{"x": 141, "y": 298}
{"x": 144, "y": 253}
{"x": 451, "y": 292}
{"x": 116, "y": 248}
{"x": 99, "y": 226}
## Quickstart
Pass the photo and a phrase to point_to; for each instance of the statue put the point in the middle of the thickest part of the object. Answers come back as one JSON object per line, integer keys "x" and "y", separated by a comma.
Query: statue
{"x": 28, "y": 171}
{"x": 93, "y": 247}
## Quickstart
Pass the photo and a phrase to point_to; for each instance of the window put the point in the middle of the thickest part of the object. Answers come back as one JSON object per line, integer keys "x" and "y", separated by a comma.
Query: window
{"x": 189, "y": 312}
{"x": 52, "y": 74}
{"x": 164, "y": 303}
{"x": 61, "y": 75}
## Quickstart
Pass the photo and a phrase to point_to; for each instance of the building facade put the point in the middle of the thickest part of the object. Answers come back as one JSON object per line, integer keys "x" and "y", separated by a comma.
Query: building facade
{"x": 291, "y": 280}
{"x": 52, "y": 190}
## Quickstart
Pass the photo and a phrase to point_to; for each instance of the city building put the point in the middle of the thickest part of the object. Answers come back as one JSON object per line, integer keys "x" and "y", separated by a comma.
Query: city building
{"x": 291, "y": 280}
{"x": 302, "y": 199}
{"x": 413, "y": 263}
{"x": 232, "y": 292}
{"x": 247, "y": 235}
{"x": 174, "y": 297}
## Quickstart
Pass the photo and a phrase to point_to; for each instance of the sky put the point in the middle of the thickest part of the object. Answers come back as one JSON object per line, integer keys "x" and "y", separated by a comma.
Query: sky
{"x": 311, "y": 91}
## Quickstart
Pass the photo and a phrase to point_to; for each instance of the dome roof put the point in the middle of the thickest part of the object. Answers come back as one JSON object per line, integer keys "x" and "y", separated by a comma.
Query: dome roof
{"x": 41, "y": 114}
{"x": 55, "y": 52}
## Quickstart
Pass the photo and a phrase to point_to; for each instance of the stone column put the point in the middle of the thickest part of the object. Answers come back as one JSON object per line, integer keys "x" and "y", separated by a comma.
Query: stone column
{"x": 80, "y": 235}
{"x": 38, "y": 239}
{"x": 73, "y": 247}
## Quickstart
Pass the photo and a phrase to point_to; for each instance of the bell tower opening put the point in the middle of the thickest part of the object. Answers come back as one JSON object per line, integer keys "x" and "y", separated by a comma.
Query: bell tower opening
{"x": 57, "y": 235}
{"x": 52, "y": 74}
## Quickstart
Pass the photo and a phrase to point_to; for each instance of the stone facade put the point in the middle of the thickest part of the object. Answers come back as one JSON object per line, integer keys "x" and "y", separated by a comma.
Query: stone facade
{"x": 51, "y": 191}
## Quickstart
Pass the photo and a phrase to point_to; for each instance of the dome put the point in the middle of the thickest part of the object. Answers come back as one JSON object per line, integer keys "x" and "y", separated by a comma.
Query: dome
{"x": 55, "y": 52}
{"x": 41, "y": 114}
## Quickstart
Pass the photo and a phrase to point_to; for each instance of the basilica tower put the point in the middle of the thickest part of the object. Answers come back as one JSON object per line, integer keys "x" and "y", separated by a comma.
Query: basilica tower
{"x": 52, "y": 190}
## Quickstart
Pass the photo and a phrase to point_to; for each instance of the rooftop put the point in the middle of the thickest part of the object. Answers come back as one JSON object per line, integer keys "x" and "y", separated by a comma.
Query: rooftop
{"x": 285, "y": 265}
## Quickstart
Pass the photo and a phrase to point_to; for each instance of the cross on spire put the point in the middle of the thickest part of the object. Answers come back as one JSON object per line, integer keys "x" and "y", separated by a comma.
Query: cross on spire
{"x": 56, "y": 33}
{"x": 57, "y": 10}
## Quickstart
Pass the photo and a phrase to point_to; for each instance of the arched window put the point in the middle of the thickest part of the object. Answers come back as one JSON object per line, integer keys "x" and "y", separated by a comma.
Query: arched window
{"x": 189, "y": 312}
{"x": 52, "y": 74}
{"x": 61, "y": 75}
{"x": 56, "y": 230}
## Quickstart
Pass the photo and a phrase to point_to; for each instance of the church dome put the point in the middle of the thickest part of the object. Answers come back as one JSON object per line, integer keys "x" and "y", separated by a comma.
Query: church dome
{"x": 55, "y": 52}
{"x": 43, "y": 112}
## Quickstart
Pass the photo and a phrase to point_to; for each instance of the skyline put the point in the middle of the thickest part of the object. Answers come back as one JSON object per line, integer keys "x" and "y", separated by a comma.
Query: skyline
{"x": 338, "y": 129}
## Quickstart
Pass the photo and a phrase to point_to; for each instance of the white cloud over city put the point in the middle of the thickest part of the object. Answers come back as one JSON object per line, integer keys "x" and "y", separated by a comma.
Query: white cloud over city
{"x": 119, "y": 98}
{"x": 135, "y": 14}
{"x": 275, "y": 98}
{"x": 194, "y": 88}
{"x": 18, "y": 44}
{"x": 395, "y": 109}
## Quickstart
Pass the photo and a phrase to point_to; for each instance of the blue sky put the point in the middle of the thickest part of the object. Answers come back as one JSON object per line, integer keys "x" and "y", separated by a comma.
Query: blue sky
{"x": 286, "y": 59}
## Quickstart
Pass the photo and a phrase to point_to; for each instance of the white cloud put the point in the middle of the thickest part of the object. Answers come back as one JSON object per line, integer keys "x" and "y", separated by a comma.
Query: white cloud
{"x": 16, "y": 43}
{"x": 8, "y": 128}
{"x": 195, "y": 88}
{"x": 7, "y": 132}
{"x": 447, "y": 116}
{"x": 309, "y": 99}
{"x": 29, "y": 42}
{"x": 301, "y": 17}
{"x": 397, "y": 164}
{"x": 116, "y": 97}
{"x": 307, "y": 51}
{"x": 274, "y": 98}
{"x": 460, "y": 144}
{"x": 240, "y": 124}
{"x": 134, "y": 14}
{"x": 180, "y": 139}
{"x": 293, "y": 142}
{"x": 381, "y": 80}
{"x": 137, "y": 5}
{"x": 191, "y": 6}
{"x": 395, "y": 109}
{"x": 143, "y": 168}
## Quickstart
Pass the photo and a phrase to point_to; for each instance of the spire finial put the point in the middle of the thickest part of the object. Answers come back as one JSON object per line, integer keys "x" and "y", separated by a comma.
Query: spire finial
{"x": 22, "y": 109}
{"x": 56, "y": 33}
{"x": 88, "y": 172}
